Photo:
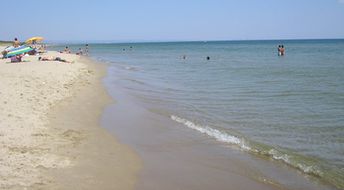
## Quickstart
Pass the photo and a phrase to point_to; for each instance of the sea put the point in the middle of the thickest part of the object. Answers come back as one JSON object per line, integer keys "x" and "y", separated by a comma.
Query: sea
{"x": 241, "y": 93}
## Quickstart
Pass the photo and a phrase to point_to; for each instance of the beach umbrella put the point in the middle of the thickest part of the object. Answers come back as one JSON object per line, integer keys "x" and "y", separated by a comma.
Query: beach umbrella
{"x": 34, "y": 39}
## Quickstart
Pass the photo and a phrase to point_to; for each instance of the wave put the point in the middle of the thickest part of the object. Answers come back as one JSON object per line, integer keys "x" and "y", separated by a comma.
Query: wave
{"x": 218, "y": 135}
{"x": 130, "y": 68}
{"x": 307, "y": 165}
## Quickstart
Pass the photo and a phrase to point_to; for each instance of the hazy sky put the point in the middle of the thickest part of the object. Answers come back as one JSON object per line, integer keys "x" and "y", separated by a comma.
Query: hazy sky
{"x": 163, "y": 20}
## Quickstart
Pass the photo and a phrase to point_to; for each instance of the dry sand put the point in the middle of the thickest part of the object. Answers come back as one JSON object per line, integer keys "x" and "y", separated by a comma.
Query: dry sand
{"x": 50, "y": 136}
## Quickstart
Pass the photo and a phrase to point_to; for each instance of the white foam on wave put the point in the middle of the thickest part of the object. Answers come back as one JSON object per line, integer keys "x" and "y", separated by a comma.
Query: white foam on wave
{"x": 275, "y": 155}
{"x": 226, "y": 138}
{"x": 129, "y": 68}
{"x": 214, "y": 133}
{"x": 308, "y": 169}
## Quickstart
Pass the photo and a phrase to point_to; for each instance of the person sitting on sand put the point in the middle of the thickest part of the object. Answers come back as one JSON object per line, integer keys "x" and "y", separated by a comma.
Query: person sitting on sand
{"x": 17, "y": 58}
{"x": 53, "y": 59}
{"x": 41, "y": 49}
{"x": 80, "y": 52}
{"x": 16, "y": 43}
{"x": 4, "y": 53}
{"x": 66, "y": 50}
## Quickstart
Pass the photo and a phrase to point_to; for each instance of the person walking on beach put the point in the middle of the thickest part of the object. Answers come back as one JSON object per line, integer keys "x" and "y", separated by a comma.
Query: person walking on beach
{"x": 16, "y": 43}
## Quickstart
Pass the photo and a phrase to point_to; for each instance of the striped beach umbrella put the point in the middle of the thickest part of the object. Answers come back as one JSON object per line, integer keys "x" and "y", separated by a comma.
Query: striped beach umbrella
{"x": 18, "y": 51}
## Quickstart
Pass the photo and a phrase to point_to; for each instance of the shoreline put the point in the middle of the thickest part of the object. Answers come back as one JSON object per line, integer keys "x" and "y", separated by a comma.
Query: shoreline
{"x": 50, "y": 136}
{"x": 175, "y": 157}
{"x": 94, "y": 135}
{"x": 101, "y": 160}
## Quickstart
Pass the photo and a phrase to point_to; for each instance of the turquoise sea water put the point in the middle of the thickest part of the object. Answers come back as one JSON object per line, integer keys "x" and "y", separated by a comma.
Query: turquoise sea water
{"x": 287, "y": 108}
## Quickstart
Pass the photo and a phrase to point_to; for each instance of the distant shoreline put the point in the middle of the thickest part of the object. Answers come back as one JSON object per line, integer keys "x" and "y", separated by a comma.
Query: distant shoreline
{"x": 5, "y": 43}
{"x": 60, "y": 42}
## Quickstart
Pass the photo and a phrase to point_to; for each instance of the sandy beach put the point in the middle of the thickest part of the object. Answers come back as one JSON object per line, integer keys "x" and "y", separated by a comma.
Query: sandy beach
{"x": 172, "y": 95}
{"x": 83, "y": 125}
{"x": 50, "y": 137}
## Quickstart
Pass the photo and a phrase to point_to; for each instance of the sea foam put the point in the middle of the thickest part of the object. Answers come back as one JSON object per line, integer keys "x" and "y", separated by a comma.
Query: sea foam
{"x": 214, "y": 133}
{"x": 221, "y": 136}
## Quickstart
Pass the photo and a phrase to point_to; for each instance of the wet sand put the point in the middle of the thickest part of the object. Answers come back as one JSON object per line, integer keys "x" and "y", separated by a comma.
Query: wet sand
{"x": 100, "y": 161}
{"x": 50, "y": 137}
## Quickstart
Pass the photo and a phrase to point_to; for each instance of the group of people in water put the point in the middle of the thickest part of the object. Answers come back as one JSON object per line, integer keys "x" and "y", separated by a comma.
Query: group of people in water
{"x": 281, "y": 50}
{"x": 79, "y": 52}
{"x": 85, "y": 51}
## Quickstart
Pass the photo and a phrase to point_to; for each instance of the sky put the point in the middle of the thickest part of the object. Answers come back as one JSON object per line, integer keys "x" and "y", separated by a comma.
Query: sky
{"x": 171, "y": 20}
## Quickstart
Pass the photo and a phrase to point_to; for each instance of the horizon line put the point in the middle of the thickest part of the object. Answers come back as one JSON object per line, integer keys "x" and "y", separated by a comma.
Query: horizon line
{"x": 178, "y": 41}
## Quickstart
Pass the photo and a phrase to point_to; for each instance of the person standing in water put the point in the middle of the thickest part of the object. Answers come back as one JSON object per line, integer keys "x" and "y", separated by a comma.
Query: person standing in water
{"x": 86, "y": 49}
{"x": 279, "y": 50}
{"x": 282, "y": 50}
